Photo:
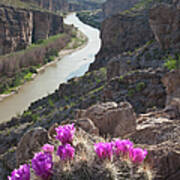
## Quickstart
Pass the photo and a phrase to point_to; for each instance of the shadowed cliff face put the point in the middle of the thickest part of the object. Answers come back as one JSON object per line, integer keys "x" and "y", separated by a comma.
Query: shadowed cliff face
{"x": 19, "y": 27}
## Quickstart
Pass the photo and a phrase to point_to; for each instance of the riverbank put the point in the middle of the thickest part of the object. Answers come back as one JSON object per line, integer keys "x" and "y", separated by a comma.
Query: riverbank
{"x": 78, "y": 42}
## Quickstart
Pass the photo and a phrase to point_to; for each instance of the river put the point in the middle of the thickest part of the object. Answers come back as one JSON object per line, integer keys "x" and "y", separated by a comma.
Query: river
{"x": 46, "y": 82}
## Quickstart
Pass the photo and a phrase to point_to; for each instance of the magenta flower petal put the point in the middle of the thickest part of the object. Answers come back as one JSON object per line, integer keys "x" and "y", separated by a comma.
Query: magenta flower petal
{"x": 104, "y": 150}
{"x": 122, "y": 147}
{"x": 23, "y": 173}
{"x": 65, "y": 133}
{"x": 137, "y": 155}
{"x": 42, "y": 165}
{"x": 48, "y": 148}
{"x": 66, "y": 152}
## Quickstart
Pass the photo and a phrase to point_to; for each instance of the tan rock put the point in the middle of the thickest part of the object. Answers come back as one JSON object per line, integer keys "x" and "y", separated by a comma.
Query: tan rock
{"x": 172, "y": 83}
{"x": 161, "y": 137}
{"x": 164, "y": 160}
{"x": 30, "y": 143}
{"x": 87, "y": 125}
{"x": 52, "y": 131}
{"x": 111, "y": 118}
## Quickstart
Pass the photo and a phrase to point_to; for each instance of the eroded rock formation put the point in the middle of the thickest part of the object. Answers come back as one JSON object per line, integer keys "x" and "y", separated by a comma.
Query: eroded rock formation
{"x": 21, "y": 27}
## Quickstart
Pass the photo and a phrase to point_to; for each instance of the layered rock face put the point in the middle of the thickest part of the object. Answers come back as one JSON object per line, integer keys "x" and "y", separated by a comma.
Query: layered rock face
{"x": 127, "y": 31}
{"x": 165, "y": 23}
{"x": 20, "y": 27}
{"x": 112, "y": 7}
{"x": 16, "y": 27}
{"x": 121, "y": 33}
{"x": 52, "y": 5}
{"x": 45, "y": 25}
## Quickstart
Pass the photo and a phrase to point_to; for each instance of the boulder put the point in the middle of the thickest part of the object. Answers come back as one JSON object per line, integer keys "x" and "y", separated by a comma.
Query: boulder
{"x": 87, "y": 125}
{"x": 164, "y": 161}
{"x": 30, "y": 143}
{"x": 154, "y": 129}
{"x": 161, "y": 137}
{"x": 112, "y": 118}
{"x": 172, "y": 83}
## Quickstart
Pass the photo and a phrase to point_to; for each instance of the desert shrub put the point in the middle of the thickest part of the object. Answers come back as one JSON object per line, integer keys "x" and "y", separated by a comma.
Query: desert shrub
{"x": 140, "y": 86}
{"x": 172, "y": 63}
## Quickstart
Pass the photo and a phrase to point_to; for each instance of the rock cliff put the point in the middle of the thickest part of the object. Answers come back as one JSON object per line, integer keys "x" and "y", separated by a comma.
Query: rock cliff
{"x": 112, "y": 7}
{"x": 131, "y": 29}
{"x": 21, "y": 27}
{"x": 121, "y": 33}
{"x": 52, "y": 5}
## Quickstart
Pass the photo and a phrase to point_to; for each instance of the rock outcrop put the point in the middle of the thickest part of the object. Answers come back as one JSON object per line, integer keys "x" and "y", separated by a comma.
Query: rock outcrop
{"x": 111, "y": 118}
{"x": 121, "y": 33}
{"x": 142, "y": 88}
{"x": 161, "y": 137}
{"x": 165, "y": 23}
{"x": 87, "y": 125}
{"x": 148, "y": 56}
{"x": 112, "y": 7}
{"x": 172, "y": 83}
{"x": 131, "y": 29}
{"x": 21, "y": 27}
{"x": 31, "y": 142}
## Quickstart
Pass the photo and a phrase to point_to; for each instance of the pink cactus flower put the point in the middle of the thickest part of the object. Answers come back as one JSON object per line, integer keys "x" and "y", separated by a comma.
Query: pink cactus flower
{"x": 66, "y": 152}
{"x": 65, "y": 133}
{"x": 48, "y": 148}
{"x": 104, "y": 150}
{"x": 137, "y": 155}
{"x": 122, "y": 147}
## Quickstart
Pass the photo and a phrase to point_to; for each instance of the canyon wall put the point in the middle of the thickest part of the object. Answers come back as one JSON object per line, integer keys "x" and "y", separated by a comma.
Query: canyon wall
{"x": 11, "y": 64}
{"x": 121, "y": 33}
{"x": 16, "y": 27}
{"x": 52, "y": 5}
{"x": 131, "y": 29}
{"x": 111, "y": 7}
{"x": 21, "y": 27}
{"x": 65, "y": 5}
